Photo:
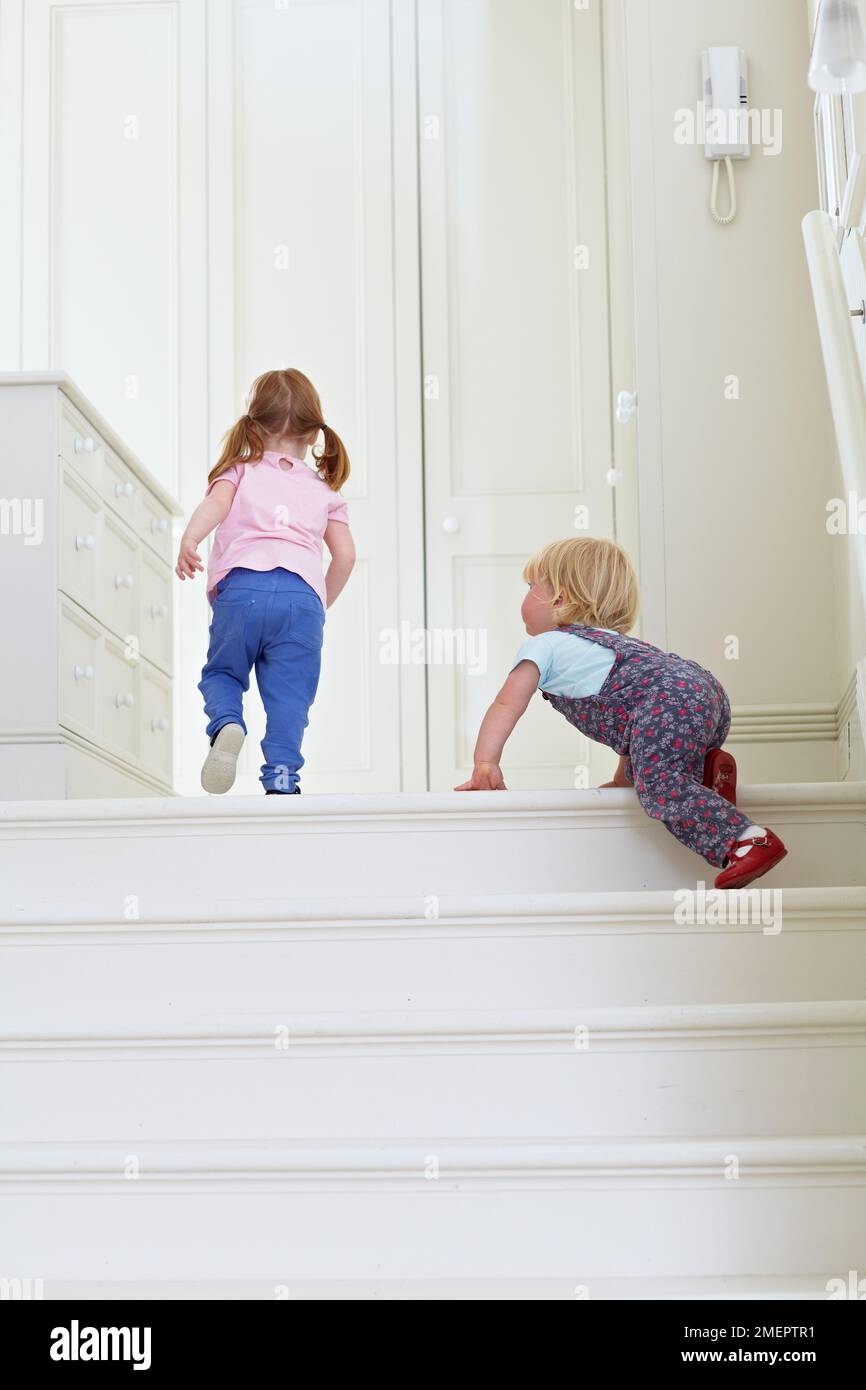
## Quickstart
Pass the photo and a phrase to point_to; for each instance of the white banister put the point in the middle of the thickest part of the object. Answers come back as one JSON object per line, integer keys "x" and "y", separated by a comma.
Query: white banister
{"x": 844, "y": 380}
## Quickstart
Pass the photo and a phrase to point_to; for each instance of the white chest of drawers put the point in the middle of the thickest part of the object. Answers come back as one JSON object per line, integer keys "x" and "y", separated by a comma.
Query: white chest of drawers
{"x": 85, "y": 602}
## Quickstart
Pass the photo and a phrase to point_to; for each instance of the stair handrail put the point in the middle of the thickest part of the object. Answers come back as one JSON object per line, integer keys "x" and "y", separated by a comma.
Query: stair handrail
{"x": 844, "y": 380}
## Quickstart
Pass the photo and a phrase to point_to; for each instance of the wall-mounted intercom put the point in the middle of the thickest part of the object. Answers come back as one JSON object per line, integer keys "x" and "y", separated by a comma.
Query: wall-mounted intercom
{"x": 726, "y": 116}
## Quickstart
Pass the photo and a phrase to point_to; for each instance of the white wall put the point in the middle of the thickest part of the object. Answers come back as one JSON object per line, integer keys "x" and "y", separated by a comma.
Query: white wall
{"x": 738, "y": 486}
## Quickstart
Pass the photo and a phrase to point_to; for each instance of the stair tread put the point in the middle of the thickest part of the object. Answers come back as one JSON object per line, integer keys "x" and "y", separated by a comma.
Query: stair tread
{"x": 400, "y": 804}
{"x": 534, "y": 908}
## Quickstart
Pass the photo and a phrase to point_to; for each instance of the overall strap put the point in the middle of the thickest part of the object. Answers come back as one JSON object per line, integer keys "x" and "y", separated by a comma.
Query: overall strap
{"x": 614, "y": 641}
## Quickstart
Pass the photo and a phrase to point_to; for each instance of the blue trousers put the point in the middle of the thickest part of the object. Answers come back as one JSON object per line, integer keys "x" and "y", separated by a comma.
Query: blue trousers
{"x": 273, "y": 620}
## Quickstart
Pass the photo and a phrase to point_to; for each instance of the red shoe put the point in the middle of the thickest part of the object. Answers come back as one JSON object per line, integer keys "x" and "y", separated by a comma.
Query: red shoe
{"x": 720, "y": 773}
{"x": 764, "y": 854}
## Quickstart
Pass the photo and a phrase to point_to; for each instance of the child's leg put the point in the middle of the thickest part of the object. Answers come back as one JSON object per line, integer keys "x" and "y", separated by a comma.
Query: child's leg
{"x": 287, "y": 672}
{"x": 231, "y": 652}
{"x": 668, "y": 770}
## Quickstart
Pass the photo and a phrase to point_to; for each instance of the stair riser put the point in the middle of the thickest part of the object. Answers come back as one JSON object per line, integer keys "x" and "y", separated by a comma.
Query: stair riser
{"x": 577, "y": 1235}
{"x": 466, "y": 858}
{"x": 799, "y": 1288}
{"x": 207, "y": 985}
{"x": 452, "y": 1028}
{"x": 760, "y": 1091}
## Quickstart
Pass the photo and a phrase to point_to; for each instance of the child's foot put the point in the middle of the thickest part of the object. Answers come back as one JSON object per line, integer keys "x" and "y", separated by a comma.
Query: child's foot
{"x": 221, "y": 763}
{"x": 720, "y": 773}
{"x": 750, "y": 858}
{"x": 272, "y": 791}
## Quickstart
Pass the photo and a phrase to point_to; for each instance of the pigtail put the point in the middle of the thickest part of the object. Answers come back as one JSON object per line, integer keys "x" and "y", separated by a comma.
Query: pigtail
{"x": 332, "y": 461}
{"x": 243, "y": 443}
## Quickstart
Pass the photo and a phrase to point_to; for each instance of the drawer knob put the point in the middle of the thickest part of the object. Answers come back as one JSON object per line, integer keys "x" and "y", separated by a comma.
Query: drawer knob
{"x": 82, "y": 673}
{"x": 159, "y": 726}
{"x": 159, "y": 524}
{"x": 84, "y": 444}
{"x": 124, "y": 581}
{"x": 124, "y": 700}
{"x": 123, "y": 489}
{"x": 159, "y": 610}
{"x": 85, "y": 542}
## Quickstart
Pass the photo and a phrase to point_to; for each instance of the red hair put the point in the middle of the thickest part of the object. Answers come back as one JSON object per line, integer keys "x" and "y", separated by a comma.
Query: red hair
{"x": 283, "y": 403}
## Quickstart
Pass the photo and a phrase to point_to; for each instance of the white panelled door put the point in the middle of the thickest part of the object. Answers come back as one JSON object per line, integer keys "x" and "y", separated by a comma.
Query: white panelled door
{"x": 516, "y": 360}
{"x": 113, "y": 212}
{"x": 314, "y": 277}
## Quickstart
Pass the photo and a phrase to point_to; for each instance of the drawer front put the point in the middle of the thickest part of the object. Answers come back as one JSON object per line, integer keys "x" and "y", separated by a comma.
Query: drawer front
{"x": 80, "y": 671}
{"x": 119, "y": 486}
{"x": 80, "y": 444}
{"x": 120, "y": 579}
{"x": 153, "y": 524}
{"x": 80, "y": 543}
{"x": 120, "y": 699}
{"x": 154, "y": 621}
{"x": 156, "y": 731}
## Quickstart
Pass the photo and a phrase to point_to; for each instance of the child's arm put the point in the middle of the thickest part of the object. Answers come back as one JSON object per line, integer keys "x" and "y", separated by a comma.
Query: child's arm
{"x": 209, "y": 513}
{"x": 497, "y": 726}
{"x": 338, "y": 539}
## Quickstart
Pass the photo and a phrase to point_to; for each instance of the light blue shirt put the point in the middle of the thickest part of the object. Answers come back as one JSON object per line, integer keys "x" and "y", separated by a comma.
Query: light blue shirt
{"x": 568, "y": 665}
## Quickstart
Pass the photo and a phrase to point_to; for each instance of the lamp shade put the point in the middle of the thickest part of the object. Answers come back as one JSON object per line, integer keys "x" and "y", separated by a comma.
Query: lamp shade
{"x": 839, "y": 53}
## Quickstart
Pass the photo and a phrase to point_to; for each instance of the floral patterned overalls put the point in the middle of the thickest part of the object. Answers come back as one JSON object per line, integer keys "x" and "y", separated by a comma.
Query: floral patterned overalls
{"x": 663, "y": 713}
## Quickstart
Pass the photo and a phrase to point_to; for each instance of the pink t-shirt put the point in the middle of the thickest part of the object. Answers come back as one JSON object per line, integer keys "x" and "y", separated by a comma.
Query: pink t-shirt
{"x": 278, "y": 519}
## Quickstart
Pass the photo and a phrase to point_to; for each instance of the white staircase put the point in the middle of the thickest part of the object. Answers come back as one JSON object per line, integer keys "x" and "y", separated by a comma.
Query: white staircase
{"x": 429, "y": 1046}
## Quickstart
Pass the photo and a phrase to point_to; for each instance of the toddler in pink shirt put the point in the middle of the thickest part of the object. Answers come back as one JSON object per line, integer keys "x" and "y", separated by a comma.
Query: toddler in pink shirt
{"x": 272, "y": 514}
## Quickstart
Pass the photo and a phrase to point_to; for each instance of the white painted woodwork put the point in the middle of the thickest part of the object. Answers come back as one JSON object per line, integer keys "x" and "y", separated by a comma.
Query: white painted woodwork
{"x": 749, "y": 1288}
{"x": 319, "y": 284}
{"x": 516, "y": 332}
{"x": 497, "y": 1065}
{"x": 446, "y": 844}
{"x": 89, "y": 712}
{"x": 112, "y": 87}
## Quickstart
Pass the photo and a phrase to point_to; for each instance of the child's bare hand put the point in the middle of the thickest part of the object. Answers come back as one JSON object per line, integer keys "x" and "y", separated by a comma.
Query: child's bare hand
{"x": 621, "y": 777}
{"x": 188, "y": 560}
{"x": 620, "y": 780}
{"x": 486, "y": 777}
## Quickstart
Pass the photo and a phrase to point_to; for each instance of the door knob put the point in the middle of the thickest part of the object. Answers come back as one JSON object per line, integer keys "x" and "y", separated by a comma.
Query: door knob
{"x": 450, "y": 525}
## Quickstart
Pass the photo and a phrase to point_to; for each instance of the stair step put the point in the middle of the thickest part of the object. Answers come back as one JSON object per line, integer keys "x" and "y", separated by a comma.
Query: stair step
{"x": 425, "y": 845}
{"x": 230, "y": 1027}
{"x": 436, "y": 1209}
{"x": 769, "y": 1287}
{"x": 185, "y": 960}
{"x": 766, "y": 1075}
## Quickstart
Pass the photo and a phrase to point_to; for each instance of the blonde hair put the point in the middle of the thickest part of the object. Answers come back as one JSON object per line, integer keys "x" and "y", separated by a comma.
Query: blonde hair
{"x": 596, "y": 578}
{"x": 283, "y": 403}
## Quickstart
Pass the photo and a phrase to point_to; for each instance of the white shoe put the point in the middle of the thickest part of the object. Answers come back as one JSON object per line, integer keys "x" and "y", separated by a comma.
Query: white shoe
{"x": 221, "y": 763}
